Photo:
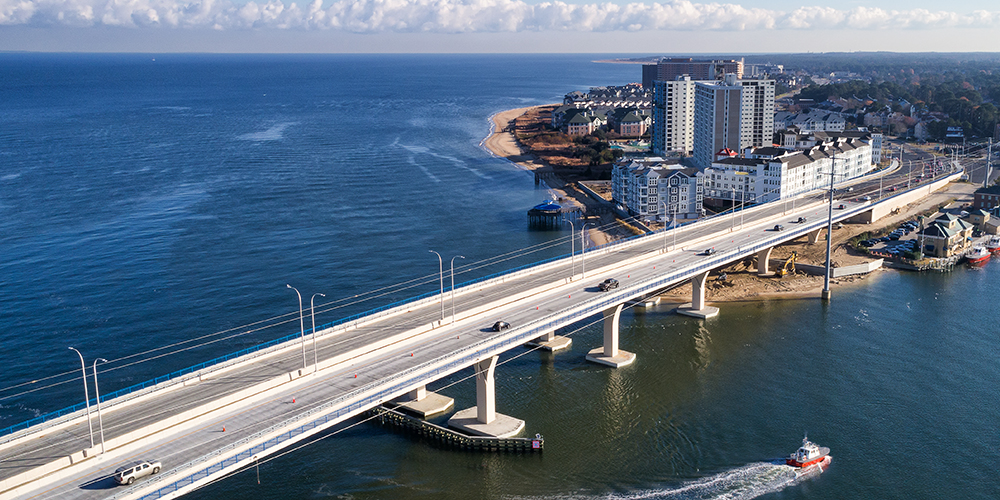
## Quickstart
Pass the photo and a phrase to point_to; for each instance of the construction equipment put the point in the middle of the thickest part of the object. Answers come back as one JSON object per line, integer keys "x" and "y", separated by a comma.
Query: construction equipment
{"x": 789, "y": 266}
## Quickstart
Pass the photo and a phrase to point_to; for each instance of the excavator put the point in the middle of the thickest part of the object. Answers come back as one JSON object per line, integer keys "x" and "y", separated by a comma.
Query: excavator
{"x": 789, "y": 266}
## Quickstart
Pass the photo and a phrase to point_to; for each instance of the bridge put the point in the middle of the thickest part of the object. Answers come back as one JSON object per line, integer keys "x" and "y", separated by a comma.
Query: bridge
{"x": 210, "y": 421}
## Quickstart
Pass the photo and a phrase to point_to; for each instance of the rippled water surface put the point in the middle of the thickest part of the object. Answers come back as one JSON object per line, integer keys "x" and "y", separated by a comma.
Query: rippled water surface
{"x": 149, "y": 202}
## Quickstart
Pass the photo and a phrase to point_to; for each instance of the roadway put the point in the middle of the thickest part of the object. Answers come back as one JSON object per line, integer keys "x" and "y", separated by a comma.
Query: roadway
{"x": 364, "y": 364}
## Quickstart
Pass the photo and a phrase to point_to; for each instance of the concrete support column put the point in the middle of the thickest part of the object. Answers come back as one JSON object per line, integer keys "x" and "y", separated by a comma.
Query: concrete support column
{"x": 418, "y": 393}
{"x": 814, "y": 236}
{"x": 698, "y": 290}
{"x": 763, "y": 257}
{"x": 483, "y": 419}
{"x": 551, "y": 342}
{"x": 611, "y": 317}
{"x": 609, "y": 354}
{"x": 486, "y": 401}
{"x": 697, "y": 307}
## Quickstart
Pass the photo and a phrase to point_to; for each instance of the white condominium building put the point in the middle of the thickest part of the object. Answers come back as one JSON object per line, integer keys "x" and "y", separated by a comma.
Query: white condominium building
{"x": 732, "y": 114}
{"x": 673, "y": 116}
{"x": 769, "y": 174}
{"x": 651, "y": 189}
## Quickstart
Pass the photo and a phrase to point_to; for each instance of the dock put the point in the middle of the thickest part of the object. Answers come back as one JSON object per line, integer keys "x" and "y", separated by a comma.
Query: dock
{"x": 450, "y": 438}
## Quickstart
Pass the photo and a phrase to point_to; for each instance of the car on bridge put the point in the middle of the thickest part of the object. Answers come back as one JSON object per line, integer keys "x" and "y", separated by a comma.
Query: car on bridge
{"x": 708, "y": 251}
{"x": 500, "y": 326}
{"x": 800, "y": 220}
{"x": 608, "y": 285}
{"x": 128, "y": 473}
{"x": 779, "y": 227}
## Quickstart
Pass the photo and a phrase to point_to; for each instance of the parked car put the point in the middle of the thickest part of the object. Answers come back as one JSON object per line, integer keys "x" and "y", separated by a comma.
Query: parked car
{"x": 500, "y": 325}
{"x": 608, "y": 284}
{"x": 127, "y": 474}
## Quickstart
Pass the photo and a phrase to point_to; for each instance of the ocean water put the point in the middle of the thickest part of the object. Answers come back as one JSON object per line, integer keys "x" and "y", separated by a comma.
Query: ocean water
{"x": 150, "y": 202}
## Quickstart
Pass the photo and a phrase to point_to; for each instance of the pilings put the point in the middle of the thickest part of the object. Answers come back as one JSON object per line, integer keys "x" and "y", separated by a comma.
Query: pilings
{"x": 609, "y": 354}
{"x": 445, "y": 436}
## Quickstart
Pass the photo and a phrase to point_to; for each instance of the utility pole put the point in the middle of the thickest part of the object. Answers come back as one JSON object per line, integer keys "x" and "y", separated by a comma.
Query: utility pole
{"x": 829, "y": 232}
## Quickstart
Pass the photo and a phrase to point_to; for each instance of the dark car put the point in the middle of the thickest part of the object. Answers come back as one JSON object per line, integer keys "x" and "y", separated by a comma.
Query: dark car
{"x": 779, "y": 227}
{"x": 841, "y": 207}
{"x": 500, "y": 325}
{"x": 709, "y": 251}
{"x": 608, "y": 284}
{"x": 800, "y": 220}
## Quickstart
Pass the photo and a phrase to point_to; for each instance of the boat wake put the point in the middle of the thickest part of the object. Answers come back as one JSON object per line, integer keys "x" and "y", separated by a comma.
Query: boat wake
{"x": 741, "y": 483}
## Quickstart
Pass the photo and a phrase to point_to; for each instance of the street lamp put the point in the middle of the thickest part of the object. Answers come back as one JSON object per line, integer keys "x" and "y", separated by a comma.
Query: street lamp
{"x": 97, "y": 392}
{"x": 572, "y": 248}
{"x": 441, "y": 273}
{"x": 86, "y": 395}
{"x": 829, "y": 232}
{"x": 453, "y": 286}
{"x": 583, "y": 251}
{"x": 302, "y": 326}
{"x": 312, "y": 307}
{"x": 664, "y": 225}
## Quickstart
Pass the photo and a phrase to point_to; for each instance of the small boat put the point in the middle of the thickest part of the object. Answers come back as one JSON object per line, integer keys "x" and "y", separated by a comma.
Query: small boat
{"x": 809, "y": 455}
{"x": 978, "y": 255}
{"x": 993, "y": 245}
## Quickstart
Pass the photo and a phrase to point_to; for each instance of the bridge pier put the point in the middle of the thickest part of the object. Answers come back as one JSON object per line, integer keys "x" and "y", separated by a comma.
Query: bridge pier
{"x": 697, "y": 308}
{"x": 483, "y": 419}
{"x": 423, "y": 403}
{"x": 763, "y": 257}
{"x": 610, "y": 354}
{"x": 814, "y": 235}
{"x": 551, "y": 342}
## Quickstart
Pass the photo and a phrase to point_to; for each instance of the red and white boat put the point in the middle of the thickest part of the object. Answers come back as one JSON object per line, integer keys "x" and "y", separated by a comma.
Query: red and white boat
{"x": 977, "y": 255}
{"x": 993, "y": 245}
{"x": 809, "y": 455}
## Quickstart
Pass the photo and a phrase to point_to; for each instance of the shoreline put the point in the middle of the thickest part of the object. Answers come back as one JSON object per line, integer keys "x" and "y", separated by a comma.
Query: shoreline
{"x": 747, "y": 286}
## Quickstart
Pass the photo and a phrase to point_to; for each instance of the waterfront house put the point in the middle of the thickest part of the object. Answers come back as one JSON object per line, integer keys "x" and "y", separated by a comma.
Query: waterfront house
{"x": 657, "y": 189}
{"x": 979, "y": 217}
{"x": 987, "y": 198}
{"x": 946, "y": 236}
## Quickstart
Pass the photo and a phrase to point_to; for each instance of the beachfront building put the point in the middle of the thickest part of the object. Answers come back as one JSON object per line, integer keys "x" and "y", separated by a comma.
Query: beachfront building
{"x": 731, "y": 114}
{"x": 668, "y": 69}
{"x": 673, "y": 116}
{"x": 946, "y": 236}
{"x": 629, "y": 122}
{"x": 793, "y": 139}
{"x": 653, "y": 189}
{"x": 768, "y": 174}
{"x": 810, "y": 121}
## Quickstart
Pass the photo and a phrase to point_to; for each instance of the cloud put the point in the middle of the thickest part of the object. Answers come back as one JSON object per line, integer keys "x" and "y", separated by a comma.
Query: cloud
{"x": 471, "y": 16}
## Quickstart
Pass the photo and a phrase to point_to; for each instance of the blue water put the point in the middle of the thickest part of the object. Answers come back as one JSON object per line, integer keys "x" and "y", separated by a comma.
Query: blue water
{"x": 146, "y": 201}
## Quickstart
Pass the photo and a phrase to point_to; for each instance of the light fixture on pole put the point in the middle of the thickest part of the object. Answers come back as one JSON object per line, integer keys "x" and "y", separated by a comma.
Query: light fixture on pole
{"x": 312, "y": 308}
{"x": 86, "y": 395}
{"x": 583, "y": 250}
{"x": 302, "y": 326}
{"x": 829, "y": 232}
{"x": 572, "y": 248}
{"x": 97, "y": 393}
{"x": 441, "y": 275}
{"x": 453, "y": 286}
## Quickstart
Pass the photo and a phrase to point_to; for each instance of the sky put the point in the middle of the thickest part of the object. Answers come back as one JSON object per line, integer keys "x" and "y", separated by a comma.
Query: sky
{"x": 504, "y": 26}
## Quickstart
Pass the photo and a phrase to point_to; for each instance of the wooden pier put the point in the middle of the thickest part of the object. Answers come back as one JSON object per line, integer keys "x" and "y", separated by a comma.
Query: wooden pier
{"x": 450, "y": 438}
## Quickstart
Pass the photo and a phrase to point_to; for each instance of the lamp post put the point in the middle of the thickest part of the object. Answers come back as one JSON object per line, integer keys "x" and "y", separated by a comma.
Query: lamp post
{"x": 302, "y": 326}
{"x": 453, "y": 286}
{"x": 97, "y": 392}
{"x": 664, "y": 225}
{"x": 572, "y": 248}
{"x": 312, "y": 308}
{"x": 583, "y": 250}
{"x": 86, "y": 395}
{"x": 441, "y": 273}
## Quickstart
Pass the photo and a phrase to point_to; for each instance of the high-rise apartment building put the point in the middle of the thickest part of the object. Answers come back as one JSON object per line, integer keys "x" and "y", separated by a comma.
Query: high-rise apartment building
{"x": 731, "y": 114}
{"x": 673, "y": 116}
{"x": 670, "y": 69}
